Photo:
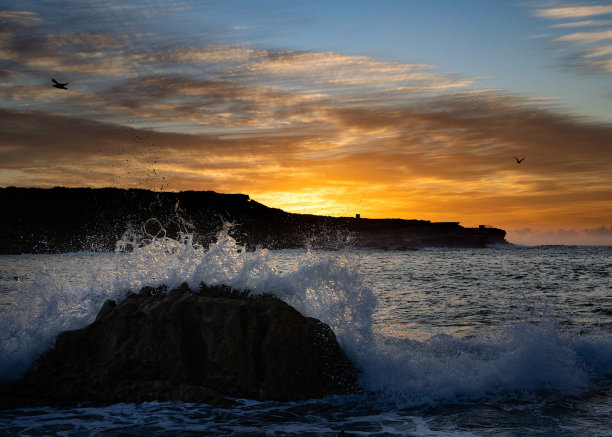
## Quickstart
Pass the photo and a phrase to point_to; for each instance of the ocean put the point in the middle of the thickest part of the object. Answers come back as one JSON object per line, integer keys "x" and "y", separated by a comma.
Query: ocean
{"x": 506, "y": 341}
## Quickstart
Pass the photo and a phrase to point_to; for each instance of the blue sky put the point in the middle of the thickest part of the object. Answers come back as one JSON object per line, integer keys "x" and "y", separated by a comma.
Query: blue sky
{"x": 409, "y": 109}
{"x": 504, "y": 44}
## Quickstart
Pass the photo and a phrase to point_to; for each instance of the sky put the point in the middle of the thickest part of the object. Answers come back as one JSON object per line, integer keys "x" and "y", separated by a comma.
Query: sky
{"x": 407, "y": 109}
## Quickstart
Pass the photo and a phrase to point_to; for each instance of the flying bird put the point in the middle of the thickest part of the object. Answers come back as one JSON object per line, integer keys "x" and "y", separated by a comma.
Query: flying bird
{"x": 518, "y": 161}
{"x": 61, "y": 86}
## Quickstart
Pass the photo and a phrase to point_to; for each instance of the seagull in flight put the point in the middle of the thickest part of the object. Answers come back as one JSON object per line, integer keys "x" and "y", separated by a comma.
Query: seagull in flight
{"x": 518, "y": 161}
{"x": 61, "y": 86}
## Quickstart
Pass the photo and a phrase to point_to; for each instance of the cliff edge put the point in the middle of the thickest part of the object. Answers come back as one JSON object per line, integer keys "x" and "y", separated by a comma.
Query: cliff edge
{"x": 57, "y": 220}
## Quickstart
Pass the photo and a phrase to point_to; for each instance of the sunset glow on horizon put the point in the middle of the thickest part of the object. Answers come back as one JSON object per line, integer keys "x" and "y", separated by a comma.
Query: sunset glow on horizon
{"x": 293, "y": 104}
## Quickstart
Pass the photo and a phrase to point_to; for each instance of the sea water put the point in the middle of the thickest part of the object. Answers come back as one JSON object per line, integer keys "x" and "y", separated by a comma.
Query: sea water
{"x": 450, "y": 342}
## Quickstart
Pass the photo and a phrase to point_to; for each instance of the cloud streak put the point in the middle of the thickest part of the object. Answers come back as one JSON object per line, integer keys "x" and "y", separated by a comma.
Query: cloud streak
{"x": 586, "y": 37}
{"x": 449, "y": 154}
{"x": 18, "y": 18}
{"x": 589, "y": 50}
{"x": 574, "y": 11}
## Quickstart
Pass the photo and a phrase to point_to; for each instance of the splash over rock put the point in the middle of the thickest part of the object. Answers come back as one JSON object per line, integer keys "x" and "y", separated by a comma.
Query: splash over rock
{"x": 192, "y": 346}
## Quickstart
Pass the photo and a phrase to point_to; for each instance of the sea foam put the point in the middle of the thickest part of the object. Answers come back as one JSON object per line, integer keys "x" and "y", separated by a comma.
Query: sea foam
{"x": 510, "y": 361}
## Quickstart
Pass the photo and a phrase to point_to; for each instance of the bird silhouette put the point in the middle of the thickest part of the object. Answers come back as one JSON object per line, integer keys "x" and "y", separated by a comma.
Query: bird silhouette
{"x": 518, "y": 161}
{"x": 61, "y": 86}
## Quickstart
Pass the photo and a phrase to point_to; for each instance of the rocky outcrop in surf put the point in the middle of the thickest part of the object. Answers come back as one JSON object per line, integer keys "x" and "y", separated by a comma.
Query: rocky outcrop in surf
{"x": 193, "y": 346}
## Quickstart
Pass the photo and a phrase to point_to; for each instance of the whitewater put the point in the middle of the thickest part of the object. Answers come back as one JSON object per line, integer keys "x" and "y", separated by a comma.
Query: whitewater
{"x": 458, "y": 342}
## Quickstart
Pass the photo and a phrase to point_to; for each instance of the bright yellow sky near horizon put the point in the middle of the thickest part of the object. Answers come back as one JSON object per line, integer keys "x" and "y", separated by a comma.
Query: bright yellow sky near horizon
{"x": 311, "y": 130}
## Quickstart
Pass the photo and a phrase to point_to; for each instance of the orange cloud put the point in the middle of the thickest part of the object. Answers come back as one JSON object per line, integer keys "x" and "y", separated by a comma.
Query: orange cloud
{"x": 450, "y": 159}
{"x": 311, "y": 132}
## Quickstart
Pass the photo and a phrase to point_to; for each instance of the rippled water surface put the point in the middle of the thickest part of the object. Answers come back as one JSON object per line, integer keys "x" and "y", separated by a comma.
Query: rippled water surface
{"x": 510, "y": 341}
{"x": 465, "y": 290}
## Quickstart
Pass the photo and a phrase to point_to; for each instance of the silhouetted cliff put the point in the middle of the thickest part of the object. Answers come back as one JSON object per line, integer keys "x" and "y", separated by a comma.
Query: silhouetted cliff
{"x": 39, "y": 220}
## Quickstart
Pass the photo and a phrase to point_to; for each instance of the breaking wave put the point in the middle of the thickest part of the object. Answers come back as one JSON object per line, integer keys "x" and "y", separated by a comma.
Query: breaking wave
{"x": 514, "y": 361}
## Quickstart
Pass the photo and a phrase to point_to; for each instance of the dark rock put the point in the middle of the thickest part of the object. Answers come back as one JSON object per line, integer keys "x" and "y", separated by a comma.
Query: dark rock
{"x": 83, "y": 219}
{"x": 191, "y": 346}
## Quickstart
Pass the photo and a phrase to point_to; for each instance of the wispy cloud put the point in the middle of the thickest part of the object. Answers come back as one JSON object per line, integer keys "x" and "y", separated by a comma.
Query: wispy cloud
{"x": 586, "y": 50}
{"x": 586, "y": 23}
{"x": 574, "y": 11}
{"x": 440, "y": 155}
{"x": 97, "y": 54}
{"x": 22, "y": 18}
{"x": 586, "y": 37}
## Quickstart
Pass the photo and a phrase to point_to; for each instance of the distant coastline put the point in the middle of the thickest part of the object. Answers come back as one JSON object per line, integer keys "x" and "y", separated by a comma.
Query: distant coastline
{"x": 59, "y": 220}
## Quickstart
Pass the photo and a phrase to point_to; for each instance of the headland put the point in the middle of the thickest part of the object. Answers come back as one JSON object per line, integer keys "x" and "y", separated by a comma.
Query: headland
{"x": 59, "y": 220}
